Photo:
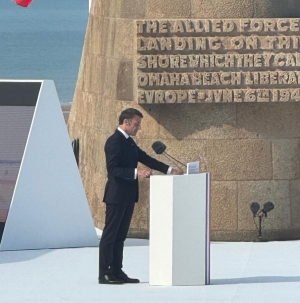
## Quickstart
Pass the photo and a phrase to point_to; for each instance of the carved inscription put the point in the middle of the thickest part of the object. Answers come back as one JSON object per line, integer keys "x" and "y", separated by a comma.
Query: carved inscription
{"x": 220, "y": 60}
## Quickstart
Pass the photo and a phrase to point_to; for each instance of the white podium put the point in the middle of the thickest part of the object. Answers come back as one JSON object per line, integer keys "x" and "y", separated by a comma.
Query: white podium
{"x": 180, "y": 230}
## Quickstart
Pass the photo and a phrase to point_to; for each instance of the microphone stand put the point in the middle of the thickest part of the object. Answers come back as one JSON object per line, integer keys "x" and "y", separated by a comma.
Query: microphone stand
{"x": 173, "y": 159}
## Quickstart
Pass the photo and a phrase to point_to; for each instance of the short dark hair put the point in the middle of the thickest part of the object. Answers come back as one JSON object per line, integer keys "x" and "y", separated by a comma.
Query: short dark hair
{"x": 129, "y": 113}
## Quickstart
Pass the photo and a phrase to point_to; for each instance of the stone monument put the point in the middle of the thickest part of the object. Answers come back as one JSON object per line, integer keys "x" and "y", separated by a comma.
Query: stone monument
{"x": 217, "y": 81}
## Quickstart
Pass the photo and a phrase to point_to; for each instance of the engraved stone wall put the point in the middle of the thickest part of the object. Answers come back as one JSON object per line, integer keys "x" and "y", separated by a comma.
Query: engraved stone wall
{"x": 218, "y": 60}
{"x": 251, "y": 148}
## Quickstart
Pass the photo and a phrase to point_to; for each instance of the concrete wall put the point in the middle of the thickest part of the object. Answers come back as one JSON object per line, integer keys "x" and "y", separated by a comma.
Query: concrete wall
{"x": 251, "y": 149}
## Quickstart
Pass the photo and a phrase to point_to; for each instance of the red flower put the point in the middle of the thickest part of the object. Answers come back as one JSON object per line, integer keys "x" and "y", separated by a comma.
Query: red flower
{"x": 24, "y": 3}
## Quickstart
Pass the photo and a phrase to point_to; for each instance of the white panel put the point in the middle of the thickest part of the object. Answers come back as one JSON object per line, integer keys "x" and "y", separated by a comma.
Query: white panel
{"x": 179, "y": 225}
{"x": 161, "y": 230}
{"x": 49, "y": 208}
{"x": 189, "y": 228}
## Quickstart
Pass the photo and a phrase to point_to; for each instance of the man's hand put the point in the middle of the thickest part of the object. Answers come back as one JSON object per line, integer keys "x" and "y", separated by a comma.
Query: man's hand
{"x": 176, "y": 172}
{"x": 144, "y": 173}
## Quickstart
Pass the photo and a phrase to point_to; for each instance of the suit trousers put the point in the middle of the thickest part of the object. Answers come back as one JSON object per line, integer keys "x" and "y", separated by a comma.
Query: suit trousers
{"x": 117, "y": 222}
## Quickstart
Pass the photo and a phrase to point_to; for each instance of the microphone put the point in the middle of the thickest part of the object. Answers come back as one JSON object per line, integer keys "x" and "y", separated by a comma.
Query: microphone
{"x": 268, "y": 206}
{"x": 159, "y": 148}
{"x": 254, "y": 208}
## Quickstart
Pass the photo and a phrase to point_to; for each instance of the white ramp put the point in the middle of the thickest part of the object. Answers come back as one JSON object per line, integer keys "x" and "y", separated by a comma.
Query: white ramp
{"x": 49, "y": 208}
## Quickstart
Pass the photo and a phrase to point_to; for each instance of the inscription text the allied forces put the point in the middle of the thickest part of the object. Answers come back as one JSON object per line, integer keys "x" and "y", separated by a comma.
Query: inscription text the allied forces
{"x": 238, "y": 60}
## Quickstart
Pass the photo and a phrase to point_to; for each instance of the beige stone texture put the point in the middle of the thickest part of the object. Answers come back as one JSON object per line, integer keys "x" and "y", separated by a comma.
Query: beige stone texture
{"x": 200, "y": 121}
{"x": 124, "y": 40}
{"x": 140, "y": 219}
{"x": 125, "y": 81}
{"x": 262, "y": 192}
{"x": 93, "y": 39}
{"x": 92, "y": 77}
{"x": 106, "y": 8}
{"x": 239, "y": 160}
{"x": 108, "y": 34}
{"x": 224, "y": 206}
{"x": 295, "y": 202}
{"x": 268, "y": 120}
{"x": 168, "y": 9}
{"x": 286, "y": 159}
{"x": 134, "y": 9}
{"x": 251, "y": 149}
{"x": 276, "y": 8}
{"x": 222, "y": 9}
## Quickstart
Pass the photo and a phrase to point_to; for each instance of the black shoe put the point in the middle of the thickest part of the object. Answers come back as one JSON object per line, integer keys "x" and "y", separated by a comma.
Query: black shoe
{"x": 110, "y": 279}
{"x": 122, "y": 276}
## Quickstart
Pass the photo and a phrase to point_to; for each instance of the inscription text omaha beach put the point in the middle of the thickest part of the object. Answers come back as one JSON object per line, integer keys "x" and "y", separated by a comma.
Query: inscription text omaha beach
{"x": 198, "y": 61}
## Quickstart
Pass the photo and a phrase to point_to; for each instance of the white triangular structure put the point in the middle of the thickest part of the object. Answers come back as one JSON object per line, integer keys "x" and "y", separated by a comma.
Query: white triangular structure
{"x": 49, "y": 208}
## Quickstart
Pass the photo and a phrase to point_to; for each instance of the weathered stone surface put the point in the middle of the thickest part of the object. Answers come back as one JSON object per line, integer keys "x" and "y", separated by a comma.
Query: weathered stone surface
{"x": 262, "y": 192}
{"x": 222, "y": 9}
{"x": 125, "y": 81}
{"x": 105, "y": 8}
{"x": 224, "y": 206}
{"x": 286, "y": 159}
{"x": 93, "y": 39}
{"x": 295, "y": 203}
{"x": 276, "y": 8}
{"x": 124, "y": 40}
{"x": 239, "y": 160}
{"x": 206, "y": 121}
{"x": 168, "y": 9}
{"x": 150, "y": 127}
{"x": 108, "y": 32}
{"x": 109, "y": 117}
{"x": 280, "y": 120}
{"x": 108, "y": 71}
{"x": 140, "y": 219}
{"x": 134, "y": 9}
{"x": 92, "y": 77}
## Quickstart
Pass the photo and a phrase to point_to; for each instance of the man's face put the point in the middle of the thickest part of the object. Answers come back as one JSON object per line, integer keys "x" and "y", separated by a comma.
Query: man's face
{"x": 132, "y": 126}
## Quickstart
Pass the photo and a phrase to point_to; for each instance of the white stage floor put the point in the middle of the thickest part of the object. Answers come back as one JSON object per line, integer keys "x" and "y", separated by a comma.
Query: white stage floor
{"x": 240, "y": 272}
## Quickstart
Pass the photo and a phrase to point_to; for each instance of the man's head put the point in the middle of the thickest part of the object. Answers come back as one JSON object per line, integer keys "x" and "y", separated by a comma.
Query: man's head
{"x": 130, "y": 121}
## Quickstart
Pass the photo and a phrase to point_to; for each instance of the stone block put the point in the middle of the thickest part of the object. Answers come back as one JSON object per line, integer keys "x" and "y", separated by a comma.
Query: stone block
{"x": 239, "y": 160}
{"x": 276, "y": 9}
{"x": 110, "y": 116}
{"x": 286, "y": 159}
{"x": 125, "y": 81}
{"x": 262, "y": 192}
{"x": 108, "y": 33}
{"x": 124, "y": 40}
{"x": 89, "y": 105}
{"x": 134, "y": 9}
{"x": 94, "y": 40}
{"x": 140, "y": 220}
{"x": 150, "y": 126}
{"x": 109, "y": 8}
{"x": 268, "y": 120}
{"x": 197, "y": 121}
{"x": 295, "y": 202}
{"x": 168, "y": 9}
{"x": 92, "y": 77}
{"x": 224, "y": 206}
{"x": 221, "y": 9}
{"x": 108, "y": 73}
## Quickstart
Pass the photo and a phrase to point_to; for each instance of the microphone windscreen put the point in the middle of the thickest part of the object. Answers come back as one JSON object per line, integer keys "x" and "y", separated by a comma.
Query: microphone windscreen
{"x": 158, "y": 147}
{"x": 268, "y": 206}
{"x": 254, "y": 207}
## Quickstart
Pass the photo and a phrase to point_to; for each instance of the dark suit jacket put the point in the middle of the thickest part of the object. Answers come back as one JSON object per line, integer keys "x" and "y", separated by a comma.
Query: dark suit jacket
{"x": 122, "y": 157}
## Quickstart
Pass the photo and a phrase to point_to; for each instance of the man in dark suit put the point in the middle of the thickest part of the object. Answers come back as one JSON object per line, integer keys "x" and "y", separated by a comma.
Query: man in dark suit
{"x": 121, "y": 193}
